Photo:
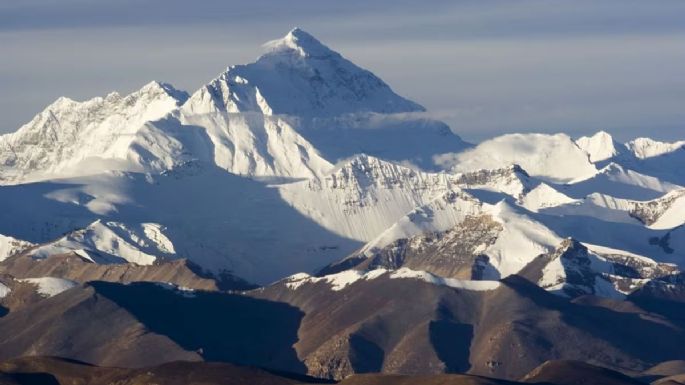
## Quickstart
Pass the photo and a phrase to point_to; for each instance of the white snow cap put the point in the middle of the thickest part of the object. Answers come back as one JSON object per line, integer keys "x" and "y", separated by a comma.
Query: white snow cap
{"x": 301, "y": 42}
{"x": 599, "y": 147}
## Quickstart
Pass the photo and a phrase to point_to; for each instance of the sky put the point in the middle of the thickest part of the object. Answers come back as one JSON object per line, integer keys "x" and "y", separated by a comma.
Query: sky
{"x": 485, "y": 67}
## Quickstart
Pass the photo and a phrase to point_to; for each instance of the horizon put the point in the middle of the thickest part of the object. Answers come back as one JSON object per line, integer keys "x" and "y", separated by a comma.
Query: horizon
{"x": 485, "y": 70}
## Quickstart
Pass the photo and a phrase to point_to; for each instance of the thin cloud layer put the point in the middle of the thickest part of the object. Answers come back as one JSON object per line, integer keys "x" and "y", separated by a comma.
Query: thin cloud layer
{"x": 484, "y": 68}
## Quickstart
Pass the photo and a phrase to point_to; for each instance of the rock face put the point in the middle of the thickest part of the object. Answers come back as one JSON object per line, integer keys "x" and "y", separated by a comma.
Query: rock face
{"x": 454, "y": 253}
{"x": 401, "y": 321}
{"x": 505, "y": 331}
{"x": 572, "y": 270}
{"x": 130, "y": 223}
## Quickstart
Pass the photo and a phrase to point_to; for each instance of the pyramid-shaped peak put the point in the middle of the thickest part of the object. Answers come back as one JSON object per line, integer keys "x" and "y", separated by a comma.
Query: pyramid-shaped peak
{"x": 299, "y": 42}
{"x": 602, "y": 135}
{"x": 599, "y": 147}
{"x": 299, "y": 76}
{"x": 156, "y": 88}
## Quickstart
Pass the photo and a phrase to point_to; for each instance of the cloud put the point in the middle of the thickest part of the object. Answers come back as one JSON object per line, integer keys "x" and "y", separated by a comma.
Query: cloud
{"x": 483, "y": 67}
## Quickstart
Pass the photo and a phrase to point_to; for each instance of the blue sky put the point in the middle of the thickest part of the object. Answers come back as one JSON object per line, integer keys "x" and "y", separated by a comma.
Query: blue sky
{"x": 484, "y": 67}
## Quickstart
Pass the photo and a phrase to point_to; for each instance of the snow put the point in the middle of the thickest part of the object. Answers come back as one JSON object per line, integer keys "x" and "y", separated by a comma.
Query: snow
{"x": 50, "y": 286}
{"x": 596, "y": 272}
{"x": 365, "y": 195}
{"x": 337, "y": 281}
{"x": 599, "y": 147}
{"x": 616, "y": 180}
{"x": 112, "y": 242}
{"x": 440, "y": 214}
{"x": 78, "y": 138}
{"x": 551, "y": 157}
{"x": 298, "y": 75}
{"x": 178, "y": 289}
{"x": 10, "y": 246}
{"x": 544, "y": 196}
{"x": 521, "y": 240}
{"x": 674, "y": 215}
{"x": 340, "y": 281}
{"x": 406, "y": 273}
{"x": 644, "y": 148}
{"x": 4, "y": 290}
{"x": 302, "y": 158}
{"x": 512, "y": 180}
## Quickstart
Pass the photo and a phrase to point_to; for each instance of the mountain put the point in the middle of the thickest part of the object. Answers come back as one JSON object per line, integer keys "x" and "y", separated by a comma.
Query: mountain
{"x": 55, "y": 371}
{"x": 30, "y": 370}
{"x": 577, "y": 372}
{"x": 296, "y": 214}
{"x": 71, "y": 137}
{"x": 600, "y": 146}
{"x": 556, "y": 158}
{"x": 347, "y": 323}
{"x": 300, "y": 76}
{"x": 644, "y": 148}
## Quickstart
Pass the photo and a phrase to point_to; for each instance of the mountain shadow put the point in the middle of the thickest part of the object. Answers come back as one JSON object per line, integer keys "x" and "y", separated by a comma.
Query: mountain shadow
{"x": 365, "y": 356}
{"x": 452, "y": 342}
{"x": 218, "y": 326}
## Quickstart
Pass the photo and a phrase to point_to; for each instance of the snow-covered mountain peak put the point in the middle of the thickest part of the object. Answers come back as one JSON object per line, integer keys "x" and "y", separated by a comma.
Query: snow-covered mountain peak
{"x": 68, "y": 132}
{"x": 644, "y": 148}
{"x": 299, "y": 76}
{"x": 299, "y": 42}
{"x": 159, "y": 89}
{"x": 556, "y": 158}
{"x": 512, "y": 180}
{"x": 600, "y": 146}
{"x": 574, "y": 269}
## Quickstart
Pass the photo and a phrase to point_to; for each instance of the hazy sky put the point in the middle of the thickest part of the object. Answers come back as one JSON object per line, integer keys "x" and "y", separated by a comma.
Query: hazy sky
{"x": 484, "y": 67}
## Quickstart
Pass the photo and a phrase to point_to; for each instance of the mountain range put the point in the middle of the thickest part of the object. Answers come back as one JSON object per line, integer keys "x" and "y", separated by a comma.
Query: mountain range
{"x": 296, "y": 214}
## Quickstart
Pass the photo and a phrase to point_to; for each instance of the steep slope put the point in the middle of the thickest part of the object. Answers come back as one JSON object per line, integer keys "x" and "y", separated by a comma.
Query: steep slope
{"x": 71, "y": 137}
{"x": 510, "y": 239}
{"x": 250, "y": 111}
{"x": 222, "y": 222}
{"x": 599, "y": 147}
{"x": 300, "y": 76}
{"x": 665, "y": 212}
{"x": 455, "y": 253}
{"x": 342, "y": 324}
{"x": 573, "y": 269}
{"x": 11, "y": 246}
{"x": 365, "y": 195}
{"x": 358, "y": 323}
{"x": 112, "y": 242}
{"x": 255, "y": 119}
{"x": 512, "y": 180}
